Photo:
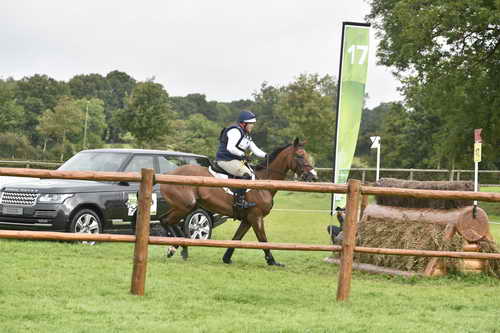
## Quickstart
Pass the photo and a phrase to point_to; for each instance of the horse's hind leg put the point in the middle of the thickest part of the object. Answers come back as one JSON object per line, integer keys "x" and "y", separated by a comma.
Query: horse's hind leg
{"x": 180, "y": 233}
{"x": 172, "y": 248}
{"x": 238, "y": 235}
{"x": 169, "y": 221}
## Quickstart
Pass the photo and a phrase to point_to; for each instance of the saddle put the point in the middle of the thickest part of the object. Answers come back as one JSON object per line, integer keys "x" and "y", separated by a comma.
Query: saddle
{"x": 220, "y": 173}
{"x": 239, "y": 213}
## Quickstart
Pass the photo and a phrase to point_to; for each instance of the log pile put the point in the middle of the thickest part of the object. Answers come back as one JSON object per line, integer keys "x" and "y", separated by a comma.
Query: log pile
{"x": 426, "y": 224}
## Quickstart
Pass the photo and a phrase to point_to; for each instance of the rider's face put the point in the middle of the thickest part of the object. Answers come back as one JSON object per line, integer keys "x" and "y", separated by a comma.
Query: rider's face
{"x": 249, "y": 127}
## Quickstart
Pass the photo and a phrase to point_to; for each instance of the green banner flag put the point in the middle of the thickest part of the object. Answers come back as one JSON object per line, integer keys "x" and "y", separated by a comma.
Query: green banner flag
{"x": 352, "y": 81}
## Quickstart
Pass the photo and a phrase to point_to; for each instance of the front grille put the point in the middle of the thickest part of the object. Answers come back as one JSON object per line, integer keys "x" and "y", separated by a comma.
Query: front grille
{"x": 18, "y": 198}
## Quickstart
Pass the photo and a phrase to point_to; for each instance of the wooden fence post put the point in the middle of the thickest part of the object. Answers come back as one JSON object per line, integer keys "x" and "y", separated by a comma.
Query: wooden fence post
{"x": 142, "y": 232}
{"x": 349, "y": 241}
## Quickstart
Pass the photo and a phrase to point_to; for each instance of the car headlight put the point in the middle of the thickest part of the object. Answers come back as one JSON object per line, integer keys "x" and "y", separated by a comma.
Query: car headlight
{"x": 54, "y": 197}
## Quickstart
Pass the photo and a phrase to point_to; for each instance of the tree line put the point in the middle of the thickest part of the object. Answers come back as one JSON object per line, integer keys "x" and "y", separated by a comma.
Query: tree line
{"x": 445, "y": 52}
{"x": 42, "y": 118}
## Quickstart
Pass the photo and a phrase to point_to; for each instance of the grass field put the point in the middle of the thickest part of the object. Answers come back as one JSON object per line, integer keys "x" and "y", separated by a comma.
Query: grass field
{"x": 62, "y": 287}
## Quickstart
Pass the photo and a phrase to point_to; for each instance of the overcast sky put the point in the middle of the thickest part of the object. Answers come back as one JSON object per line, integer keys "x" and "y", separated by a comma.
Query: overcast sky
{"x": 224, "y": 49}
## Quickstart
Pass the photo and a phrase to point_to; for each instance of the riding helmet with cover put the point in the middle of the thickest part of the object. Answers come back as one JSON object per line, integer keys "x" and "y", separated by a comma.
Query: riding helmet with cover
{"x": 247, "y": 117}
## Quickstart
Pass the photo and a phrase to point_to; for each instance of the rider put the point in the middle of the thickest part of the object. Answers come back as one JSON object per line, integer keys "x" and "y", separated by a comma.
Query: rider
{"x": 235, "y": 140}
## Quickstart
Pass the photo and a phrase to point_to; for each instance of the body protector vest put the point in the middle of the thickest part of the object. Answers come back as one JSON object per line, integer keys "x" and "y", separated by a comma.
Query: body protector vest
{"x": 237, "y": 152}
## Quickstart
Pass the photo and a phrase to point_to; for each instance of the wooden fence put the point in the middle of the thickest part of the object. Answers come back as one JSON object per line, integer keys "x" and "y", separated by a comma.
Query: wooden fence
{"x": 487, "y": 177}
{"x": 353, "y": 189}
{"x": 366, "y": 174}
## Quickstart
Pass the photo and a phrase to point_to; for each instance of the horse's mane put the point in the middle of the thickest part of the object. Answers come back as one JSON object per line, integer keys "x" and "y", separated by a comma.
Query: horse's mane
{"x": 272, "y": 156}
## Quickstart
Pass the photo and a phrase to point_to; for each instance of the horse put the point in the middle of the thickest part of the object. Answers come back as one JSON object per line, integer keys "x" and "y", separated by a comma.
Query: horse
{"x": 184, "y": 199}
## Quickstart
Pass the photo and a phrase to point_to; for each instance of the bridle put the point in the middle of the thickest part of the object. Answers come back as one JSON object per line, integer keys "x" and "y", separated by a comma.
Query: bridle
{"x": 300, "y": 165}
{"x": 301, "y": 162}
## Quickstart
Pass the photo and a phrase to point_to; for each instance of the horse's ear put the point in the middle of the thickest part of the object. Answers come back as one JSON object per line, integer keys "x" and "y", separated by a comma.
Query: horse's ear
{"x": 296, "y": 142}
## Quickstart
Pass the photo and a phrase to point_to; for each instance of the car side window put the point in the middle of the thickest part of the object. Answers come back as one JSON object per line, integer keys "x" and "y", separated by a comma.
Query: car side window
{"x": 203, "y": 161}
{"x": 140, "y": 161}
{"x": 169, "y": 163}
{"x": 172, "y": 162}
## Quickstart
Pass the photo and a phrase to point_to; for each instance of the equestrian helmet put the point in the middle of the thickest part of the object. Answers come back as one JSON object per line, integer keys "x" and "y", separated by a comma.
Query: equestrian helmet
{"x": 247, "y": 117}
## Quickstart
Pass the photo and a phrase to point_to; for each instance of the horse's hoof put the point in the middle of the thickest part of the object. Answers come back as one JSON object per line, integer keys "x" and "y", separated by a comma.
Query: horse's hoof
{"x": 184, "y": 254}
{"x": 170, "y": 252}
{"x": 275, "y": 263}
{"x": 227, "y": 260}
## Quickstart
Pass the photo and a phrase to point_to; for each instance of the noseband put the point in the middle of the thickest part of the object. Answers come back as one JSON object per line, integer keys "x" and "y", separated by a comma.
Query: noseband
{"x": 302, "y": 163}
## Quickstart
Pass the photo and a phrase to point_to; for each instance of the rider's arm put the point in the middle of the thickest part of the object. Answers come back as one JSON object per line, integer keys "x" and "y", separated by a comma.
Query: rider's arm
{"x": 233, "y": 138}
{"x": 256, "y": 150}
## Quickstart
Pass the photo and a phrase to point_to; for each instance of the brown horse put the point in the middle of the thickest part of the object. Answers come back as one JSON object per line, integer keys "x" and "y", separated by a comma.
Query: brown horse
{"x": 184, "y": 199}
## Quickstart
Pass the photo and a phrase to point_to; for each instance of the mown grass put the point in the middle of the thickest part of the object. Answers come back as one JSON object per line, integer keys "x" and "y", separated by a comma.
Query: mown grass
{"x": 62, "y": 287}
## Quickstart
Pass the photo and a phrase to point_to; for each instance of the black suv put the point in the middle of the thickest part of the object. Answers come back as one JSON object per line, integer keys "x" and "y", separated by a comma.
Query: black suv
{"x": 98, "y": 206}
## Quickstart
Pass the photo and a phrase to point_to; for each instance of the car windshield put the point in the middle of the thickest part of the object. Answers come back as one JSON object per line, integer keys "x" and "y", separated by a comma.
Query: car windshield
{"x": 94, "y": 161}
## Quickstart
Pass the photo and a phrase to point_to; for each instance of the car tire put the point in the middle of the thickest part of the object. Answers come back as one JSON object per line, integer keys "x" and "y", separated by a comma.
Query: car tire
{"x": 86, "y": 221}
{"x": 198, "y": 225}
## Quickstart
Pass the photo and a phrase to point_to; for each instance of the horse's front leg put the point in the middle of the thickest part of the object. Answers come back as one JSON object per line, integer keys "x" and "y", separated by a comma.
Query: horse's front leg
{"x": 238, "y": 235}
{"x": 260, "y": 232}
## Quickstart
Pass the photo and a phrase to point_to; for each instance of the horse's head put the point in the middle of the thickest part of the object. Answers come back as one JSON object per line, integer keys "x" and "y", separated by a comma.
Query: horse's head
{"x": 301, "y": 162}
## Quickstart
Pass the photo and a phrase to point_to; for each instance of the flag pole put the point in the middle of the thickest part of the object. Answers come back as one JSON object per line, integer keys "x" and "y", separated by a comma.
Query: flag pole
{"x": 477, "y": 158}
{"x": 378, "y": 162}
{"x": 335, "y": 137}
{"x": 376, "y": 144}
{"x": 354, "y": 48}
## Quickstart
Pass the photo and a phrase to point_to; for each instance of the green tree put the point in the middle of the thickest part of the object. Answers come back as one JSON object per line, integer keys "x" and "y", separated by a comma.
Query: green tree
{"x": 89, "y": 85}
{"x": 63, "y": 125}
{"x": 94, "y": 122}
{"x": 16, "y": 146}
{"x": 196, "y": 134}
{"x": 121, "y": 85}
{"x": 446, "y": 53}
{"x": 183, "y": 106}
{"x": 225, "y": 113}
{"x": 371, "y": 125}
{"x": 307, "y": 104}
{"x": 112, "y": 90}
{"x": 11, "y": 113}
{"x": 36, "y": 94}
{"x": 267, "y": 132}
{"x": 148, "y": 113}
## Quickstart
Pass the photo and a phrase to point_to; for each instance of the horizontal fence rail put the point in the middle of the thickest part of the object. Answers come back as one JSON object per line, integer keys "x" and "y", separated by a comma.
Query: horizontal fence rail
{"x": 156, "y": 240}
{"x": 28, "y": 164}
{"x": 255, "y": 184}
{"x": 487, "y": 177}
{"x": 443, "y": 174}
{"x": 353, "y": 189}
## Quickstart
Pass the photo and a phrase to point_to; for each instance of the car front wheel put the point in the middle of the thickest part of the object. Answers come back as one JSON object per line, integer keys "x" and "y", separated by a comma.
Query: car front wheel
{"x": 86, "y": 221}
{"x": 198, "y": 225}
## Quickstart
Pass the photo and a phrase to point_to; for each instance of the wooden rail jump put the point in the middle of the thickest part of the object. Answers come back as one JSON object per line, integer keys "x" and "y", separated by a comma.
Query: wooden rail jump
{"x": 353, "y": 189}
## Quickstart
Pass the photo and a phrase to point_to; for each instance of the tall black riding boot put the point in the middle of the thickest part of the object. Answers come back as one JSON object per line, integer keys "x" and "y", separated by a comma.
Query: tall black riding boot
{"x": 239, "y": 199}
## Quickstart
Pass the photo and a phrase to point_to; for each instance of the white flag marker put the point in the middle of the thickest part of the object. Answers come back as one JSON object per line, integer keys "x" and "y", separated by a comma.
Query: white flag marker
{"x": 376, "y": 144}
